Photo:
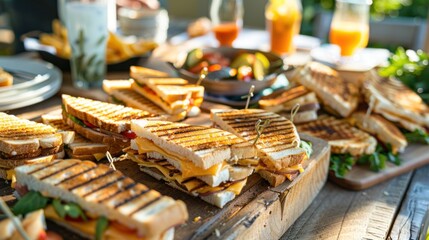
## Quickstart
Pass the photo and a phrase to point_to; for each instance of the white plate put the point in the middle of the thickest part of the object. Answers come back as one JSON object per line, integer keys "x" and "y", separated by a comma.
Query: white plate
{"x": 27, "y": 92}
{"x": 364, "y": 59}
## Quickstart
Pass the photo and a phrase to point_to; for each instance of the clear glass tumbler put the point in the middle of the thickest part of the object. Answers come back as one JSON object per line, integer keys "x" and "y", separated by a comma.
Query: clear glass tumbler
{"x": 350, "y": 25}
{"x": 87, "y": 34}
{"x": 227, "y": 19}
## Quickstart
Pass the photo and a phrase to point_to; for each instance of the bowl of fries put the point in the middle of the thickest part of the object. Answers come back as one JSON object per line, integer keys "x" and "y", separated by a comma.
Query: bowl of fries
{"x": 54, "y": 48}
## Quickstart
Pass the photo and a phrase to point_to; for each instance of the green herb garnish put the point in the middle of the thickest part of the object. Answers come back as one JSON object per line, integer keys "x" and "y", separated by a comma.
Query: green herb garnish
{"x": 30, "y": 202}
{"x": 412, "y": 68}
{"x": 72, "y": 210}
{"x": 307, "y": 146}
{"x": 102, "y": 224}
{"x": 418, "y": 136}
{"x": 341, "y": 164}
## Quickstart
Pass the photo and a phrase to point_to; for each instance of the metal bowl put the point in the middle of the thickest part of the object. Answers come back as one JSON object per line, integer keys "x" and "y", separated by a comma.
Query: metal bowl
{"x": 233, "y": 87}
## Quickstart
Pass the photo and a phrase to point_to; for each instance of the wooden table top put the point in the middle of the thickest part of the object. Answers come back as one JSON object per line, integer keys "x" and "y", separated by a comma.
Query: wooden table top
{"x": 391, "y": 210}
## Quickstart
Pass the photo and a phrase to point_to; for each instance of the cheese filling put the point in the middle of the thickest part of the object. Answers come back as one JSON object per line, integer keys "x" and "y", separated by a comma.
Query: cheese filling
{"x": 88, "y": 227}
{"x": 188, "y": 168}
{"x": 192, "y": 185}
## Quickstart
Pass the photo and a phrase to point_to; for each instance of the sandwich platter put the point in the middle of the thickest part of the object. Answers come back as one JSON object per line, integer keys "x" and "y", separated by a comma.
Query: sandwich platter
{"x": 34, "y": 81}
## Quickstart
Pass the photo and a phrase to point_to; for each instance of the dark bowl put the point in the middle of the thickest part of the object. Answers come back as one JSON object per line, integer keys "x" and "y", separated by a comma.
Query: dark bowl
{"x": 233, "y": 87}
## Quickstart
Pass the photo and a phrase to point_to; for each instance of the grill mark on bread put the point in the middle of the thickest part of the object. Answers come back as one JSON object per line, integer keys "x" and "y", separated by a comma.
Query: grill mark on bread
{"x": 58, "y": 171}
{"x": 91, "y": 179}
{"x": 75, "y": 175}
{"x": 146, "y": 204}
{"x": 282, "y": 96}
{"x": 329, "y": 128}
{"x": 104, "y": 185}
{"x": 274, "y": 122}
{"x": 129, "y": 186}
{"x": 126, "y": 200}
{"x": 44, "y": 167}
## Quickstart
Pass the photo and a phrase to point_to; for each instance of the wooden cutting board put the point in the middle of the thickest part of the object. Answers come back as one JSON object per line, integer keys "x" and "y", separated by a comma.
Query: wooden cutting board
{"x": 259, "y": 212}
{"x": 361, "y": 177}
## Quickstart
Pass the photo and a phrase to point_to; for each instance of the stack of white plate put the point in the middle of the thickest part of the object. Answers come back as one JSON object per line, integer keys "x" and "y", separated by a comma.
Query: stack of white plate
{"x": 34, "y": 81}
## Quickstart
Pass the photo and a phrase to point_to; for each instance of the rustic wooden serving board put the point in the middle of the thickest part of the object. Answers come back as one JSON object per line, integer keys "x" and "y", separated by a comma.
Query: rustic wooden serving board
{"x": 259, "y": 212}
{"x": 361, "y": 177}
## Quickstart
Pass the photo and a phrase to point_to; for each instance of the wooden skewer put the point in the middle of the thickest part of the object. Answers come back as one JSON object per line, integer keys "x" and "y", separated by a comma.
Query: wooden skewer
{"x": 294, "y": 111}
{"x": 203, "y": 75}
{"x": 249, "y": 96}
{"x": 259, "y": 127}
{"x": 15, "y": 221}
{"x": 111, "y": 161}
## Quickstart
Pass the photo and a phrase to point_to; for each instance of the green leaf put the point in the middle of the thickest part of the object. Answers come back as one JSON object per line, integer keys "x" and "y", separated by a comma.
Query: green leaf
{"x": 74, "y": 211}
{"x": 307, "y": 146}
{"x": 30, "y": 202}
{"x": 418, "y": 136}
{"x": 341, "y": 164}
{"x": 102, "y": 224}
{"x": 59, "y": 208}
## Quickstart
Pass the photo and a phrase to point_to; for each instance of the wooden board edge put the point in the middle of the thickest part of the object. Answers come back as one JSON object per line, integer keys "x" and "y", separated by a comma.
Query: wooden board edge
{"x": 254, "y": 220}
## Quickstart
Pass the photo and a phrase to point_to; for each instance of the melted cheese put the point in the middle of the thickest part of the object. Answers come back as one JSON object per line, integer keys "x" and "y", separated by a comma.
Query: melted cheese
{"x": 99, "y": 156}
{"x": 88, "y": 227}
{"x": 10, "y": 175}
{"x": 190, "y": 185}
{"x": 188, "y": 168}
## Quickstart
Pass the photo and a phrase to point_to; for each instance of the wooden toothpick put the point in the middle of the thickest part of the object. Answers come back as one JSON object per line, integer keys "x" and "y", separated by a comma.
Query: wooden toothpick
{"x": 249, "y": 96}
{"x": 110, "y": 158}
{"x": 294, "y": 111}
{"x": 203, "y": 75}
{"x": 15, "y": 221}
{"x": 259, "y": 127}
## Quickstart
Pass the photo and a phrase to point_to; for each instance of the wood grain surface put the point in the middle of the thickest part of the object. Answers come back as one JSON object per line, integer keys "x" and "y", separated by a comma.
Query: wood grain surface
{"x": 410, "y": 218}
{"x": 258, "y": 212}
{"x": 361, "y": 177}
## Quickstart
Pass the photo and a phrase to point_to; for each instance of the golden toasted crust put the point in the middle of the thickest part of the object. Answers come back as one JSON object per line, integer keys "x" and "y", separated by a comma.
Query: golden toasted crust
{"x": 279, "y": 142}
{"x": 138, "y": 72}
{"x": 333, "y": 90}
{"x": 6, "y": 79}
{"x": 107, "y": 116}
{"x": 104, "y": 192}
{"x": 341, "y": 136}
{"x": 385, "y": 131}
{"x": 396, "y": 102}
{"x": 282, "y": 96}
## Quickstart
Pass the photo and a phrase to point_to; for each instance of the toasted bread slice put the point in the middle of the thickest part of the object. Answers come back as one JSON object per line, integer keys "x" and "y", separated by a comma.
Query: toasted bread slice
{"x": 278, "y": 145}
{"x": 138, "y": 72}
{"x": 384, "y": 130}
{"x": 341, "y": 136}
{"x": 112, "y": 85}
{"x": 106, "y": 116}
{"x": 21, "y": 138}
{"x": 396, "y": 102}
{"x": 101, "y": 191}
{"x": 202, "y": 145}
{"x": 333, "y": 90}
{"x": 133, "y": 99}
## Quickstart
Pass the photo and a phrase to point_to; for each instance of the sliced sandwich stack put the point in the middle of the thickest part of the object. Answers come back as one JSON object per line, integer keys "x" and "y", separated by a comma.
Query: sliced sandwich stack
{"x": 279, "y": 146}
{"x": 338, "y": 96}
{"x": 106, "y": 203}
{"x": 341, "y": 136}
{"x": 27, "y": 142}
{"x": 284, "y": 101}
{"x": 120, "y": 92}
{"x": 396, "y": 102}
{"x": 206, "y": 162}
{"x": 102, "y": 122}
{"x": 173, "y": 95}
{"x": 79, "y": 147}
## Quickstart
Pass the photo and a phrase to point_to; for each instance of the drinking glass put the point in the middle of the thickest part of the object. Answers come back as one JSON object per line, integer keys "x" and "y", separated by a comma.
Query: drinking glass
{"x": 283, "y": 22}
{"x": 86, "y": 22}
{"x": 350, "y": 25}
{"x": 227, "y": 19}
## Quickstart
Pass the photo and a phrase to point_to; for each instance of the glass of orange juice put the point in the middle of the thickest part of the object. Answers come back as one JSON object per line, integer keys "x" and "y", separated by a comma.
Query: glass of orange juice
{"x": 227, "y": 19}
{"x": 283, "y": 22}
{"x": 350, "y": 25}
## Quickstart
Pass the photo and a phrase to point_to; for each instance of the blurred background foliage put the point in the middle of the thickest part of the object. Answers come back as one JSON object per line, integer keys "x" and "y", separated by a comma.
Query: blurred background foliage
{"x": 379, "y": 10}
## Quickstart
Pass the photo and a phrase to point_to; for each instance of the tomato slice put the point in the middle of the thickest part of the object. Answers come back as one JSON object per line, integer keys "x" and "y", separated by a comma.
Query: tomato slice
{"x": 53, "y": 236}
{"x": 88, "y": 124}
{"x": 129, "y": 134}
{"x": 42, "y": 235}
